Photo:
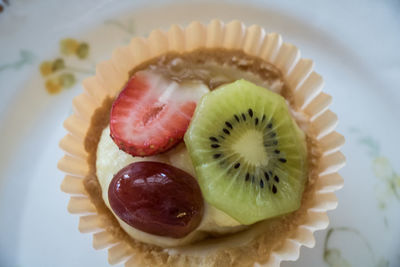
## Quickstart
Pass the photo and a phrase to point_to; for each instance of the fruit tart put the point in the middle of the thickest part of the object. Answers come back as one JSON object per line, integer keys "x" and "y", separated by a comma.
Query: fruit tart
{"x": 205, "y": 146}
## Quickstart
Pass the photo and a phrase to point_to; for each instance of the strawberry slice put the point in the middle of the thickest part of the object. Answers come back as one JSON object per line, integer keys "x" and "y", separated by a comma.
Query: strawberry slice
{"x": 151, "y": 114}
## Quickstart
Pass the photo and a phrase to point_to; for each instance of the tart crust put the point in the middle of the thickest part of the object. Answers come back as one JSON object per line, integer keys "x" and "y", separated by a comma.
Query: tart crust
{"x": 240, "y": 249}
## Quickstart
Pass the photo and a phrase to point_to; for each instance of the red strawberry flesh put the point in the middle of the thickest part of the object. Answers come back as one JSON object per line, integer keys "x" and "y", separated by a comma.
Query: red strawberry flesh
{"x": 151, "y": 114}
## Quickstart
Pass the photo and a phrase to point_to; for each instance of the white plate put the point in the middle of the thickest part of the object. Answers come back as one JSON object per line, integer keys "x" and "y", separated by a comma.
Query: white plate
{"x": 358, "y": 60}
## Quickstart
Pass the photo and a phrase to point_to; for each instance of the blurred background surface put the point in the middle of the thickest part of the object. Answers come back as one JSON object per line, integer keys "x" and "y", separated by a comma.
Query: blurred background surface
{"x": 48, "y": 47}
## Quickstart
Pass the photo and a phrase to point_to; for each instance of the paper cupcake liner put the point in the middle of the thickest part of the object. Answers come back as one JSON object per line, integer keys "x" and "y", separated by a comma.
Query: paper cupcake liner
{"x": 299, "y": 76}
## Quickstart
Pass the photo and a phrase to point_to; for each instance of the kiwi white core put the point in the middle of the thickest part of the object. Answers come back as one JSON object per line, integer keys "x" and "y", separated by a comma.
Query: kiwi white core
{"x": 250, "y": 147}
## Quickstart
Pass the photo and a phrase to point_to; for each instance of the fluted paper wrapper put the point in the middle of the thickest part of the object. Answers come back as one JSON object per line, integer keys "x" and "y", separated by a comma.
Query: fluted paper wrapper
{"x": 305, "y": 84}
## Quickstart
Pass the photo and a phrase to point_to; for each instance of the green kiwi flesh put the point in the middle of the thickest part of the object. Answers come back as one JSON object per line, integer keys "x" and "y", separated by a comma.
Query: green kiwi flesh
{"x": 249, "y": 155}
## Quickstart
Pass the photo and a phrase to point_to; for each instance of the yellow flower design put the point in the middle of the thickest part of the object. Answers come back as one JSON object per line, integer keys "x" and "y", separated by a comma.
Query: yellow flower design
{"x": 53, "y": 86}
{"x": 83, "y": 51}
{"x": 71, "y": 46}
{"x": 68, "y": 46}
{"x": 46, "y": 68}
{"x": 58, "y": 75}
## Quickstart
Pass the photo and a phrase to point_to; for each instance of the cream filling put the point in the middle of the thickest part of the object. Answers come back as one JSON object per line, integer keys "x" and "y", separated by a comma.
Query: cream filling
{"x": 214, "y": 222}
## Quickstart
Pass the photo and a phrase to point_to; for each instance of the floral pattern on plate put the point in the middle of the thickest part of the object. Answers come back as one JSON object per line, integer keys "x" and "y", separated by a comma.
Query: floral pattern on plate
{"x": 25, "y": 57}
{"x": 387, "y": 193}
{"x": 383, "y": 169}
{"x": 58, "y": 73}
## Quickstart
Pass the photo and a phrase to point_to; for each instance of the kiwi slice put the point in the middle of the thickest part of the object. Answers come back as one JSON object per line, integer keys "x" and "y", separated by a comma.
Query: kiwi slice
{"x": 249, "y": 155}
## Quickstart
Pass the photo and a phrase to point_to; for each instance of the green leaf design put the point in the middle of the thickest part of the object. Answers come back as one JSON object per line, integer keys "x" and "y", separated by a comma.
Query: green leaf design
{"x": 67, "y": 80}
{"x": 333, "y": 257}
{"x": 128, "y": 27}
{"x": 382, "y": 168}
{"x": 381, "y": 205}
{"x": 372, "y": 144}
{"x": 395, "y": 185}
{"x": 58, "y": 64}
{"x": 83, "y": 51}
{"x": 382, "y": 263}
{"x": 25, "y": 57}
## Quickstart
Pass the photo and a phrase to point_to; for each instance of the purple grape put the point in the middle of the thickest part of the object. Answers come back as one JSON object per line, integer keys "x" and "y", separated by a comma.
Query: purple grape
{"x": 157, "y": 198}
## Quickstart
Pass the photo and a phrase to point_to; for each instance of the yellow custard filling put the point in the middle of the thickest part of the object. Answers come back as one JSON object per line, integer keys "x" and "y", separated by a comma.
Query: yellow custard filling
{"x": 215, "y": 222}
